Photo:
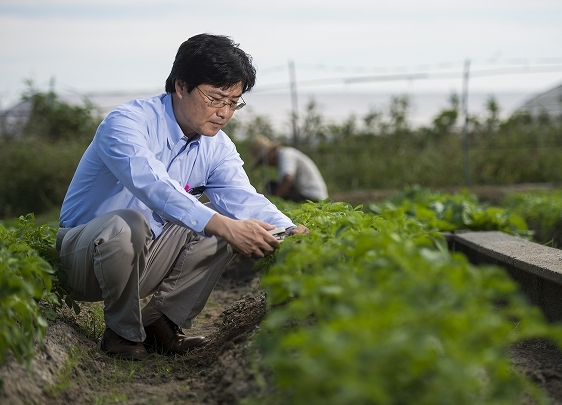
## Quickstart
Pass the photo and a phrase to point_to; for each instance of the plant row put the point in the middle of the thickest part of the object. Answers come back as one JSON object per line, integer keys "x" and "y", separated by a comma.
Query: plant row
{"x": 371, "y": 295}
{"x": 373, "y": 309}
{"x": 31, "y": 286}
{"x": 542, "y": 210}
{"x": 449, "y": 212}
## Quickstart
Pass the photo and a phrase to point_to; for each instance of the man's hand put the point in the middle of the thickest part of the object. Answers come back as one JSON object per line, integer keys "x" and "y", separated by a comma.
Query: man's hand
{"x": 300, "y": 229}
{"x": 249, "y": 237}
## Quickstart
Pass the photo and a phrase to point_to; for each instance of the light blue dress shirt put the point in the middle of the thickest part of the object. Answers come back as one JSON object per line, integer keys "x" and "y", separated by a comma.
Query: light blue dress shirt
{"x": 140, "y": 159}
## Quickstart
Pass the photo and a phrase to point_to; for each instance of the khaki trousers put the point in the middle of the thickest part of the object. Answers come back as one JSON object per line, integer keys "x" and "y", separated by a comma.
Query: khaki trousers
{"x": 114, "y": 259}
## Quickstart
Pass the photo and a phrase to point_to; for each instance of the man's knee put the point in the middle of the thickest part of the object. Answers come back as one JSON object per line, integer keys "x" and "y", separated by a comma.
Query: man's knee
{"x": 130, "y": 224}
{"x": 133, "y": 219}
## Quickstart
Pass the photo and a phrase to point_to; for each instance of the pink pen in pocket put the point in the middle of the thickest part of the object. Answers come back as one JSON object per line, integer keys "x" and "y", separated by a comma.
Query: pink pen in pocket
{"x": 195, "y": 191}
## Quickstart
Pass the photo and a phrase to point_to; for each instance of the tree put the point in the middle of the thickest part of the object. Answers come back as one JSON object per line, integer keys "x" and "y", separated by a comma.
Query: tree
{"x": 53, "y": 120}
{"x": 396, "y": 123}
{"x": 312, "y": 126}
{"x": 445, "y": 122}
{"x": 250, "y": 127}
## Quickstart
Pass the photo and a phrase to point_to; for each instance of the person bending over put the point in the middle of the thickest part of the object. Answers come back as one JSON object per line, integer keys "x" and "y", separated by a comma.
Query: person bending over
{"x": 298, "y": 177}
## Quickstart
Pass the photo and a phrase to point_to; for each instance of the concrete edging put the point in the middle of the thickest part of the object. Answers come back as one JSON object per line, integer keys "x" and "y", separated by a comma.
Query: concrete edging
{"x": 536, "y": 268}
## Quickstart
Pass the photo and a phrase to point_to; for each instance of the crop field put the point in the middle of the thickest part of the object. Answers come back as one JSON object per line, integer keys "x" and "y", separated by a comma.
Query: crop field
{"x": 370, "y": 307}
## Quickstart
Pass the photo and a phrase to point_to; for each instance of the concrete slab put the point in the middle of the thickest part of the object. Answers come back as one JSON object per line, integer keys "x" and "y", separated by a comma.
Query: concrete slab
{"x": 536, "y": 268}
{"x": 543, "y": 261}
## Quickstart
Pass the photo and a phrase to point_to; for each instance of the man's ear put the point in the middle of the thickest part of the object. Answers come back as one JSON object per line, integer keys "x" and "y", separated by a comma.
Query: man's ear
{"x": 180, "y": 86}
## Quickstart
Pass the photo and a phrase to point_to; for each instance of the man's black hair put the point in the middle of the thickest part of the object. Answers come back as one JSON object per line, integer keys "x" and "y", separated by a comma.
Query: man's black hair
{"x": 214, "y": 60}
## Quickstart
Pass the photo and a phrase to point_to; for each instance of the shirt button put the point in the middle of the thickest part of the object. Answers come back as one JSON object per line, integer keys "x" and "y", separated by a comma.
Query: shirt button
{"x": 193, "y": 222}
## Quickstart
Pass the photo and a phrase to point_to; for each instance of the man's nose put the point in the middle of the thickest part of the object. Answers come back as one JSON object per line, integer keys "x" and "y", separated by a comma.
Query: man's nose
{"x": 223, "y": 111}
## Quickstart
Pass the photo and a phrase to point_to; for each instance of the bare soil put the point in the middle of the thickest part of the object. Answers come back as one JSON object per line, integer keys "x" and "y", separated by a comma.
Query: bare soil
{"x": 69, "y": 367}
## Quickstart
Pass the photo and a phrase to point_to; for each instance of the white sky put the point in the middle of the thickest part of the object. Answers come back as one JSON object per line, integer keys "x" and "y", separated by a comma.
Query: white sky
{"x": 129, "y": 45}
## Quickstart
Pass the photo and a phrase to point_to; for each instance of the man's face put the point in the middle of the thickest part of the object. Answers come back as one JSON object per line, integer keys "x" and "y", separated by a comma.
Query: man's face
{"x": 194, "y": 112}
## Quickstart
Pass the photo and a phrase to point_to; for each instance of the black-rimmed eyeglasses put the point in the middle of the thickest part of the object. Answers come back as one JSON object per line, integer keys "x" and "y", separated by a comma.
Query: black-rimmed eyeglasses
{"x": 221, "y": 103}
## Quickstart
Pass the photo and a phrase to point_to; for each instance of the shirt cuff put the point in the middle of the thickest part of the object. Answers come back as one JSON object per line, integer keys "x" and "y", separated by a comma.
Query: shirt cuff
{"x": 198, "y": 218}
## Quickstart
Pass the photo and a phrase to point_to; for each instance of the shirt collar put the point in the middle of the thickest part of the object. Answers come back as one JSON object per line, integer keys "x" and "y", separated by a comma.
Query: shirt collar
{"x": 175, "y": 133}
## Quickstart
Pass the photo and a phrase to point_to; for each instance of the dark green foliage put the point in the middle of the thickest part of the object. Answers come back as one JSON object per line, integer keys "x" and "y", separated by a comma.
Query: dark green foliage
{"x": 377, "y": 311}
{"x": 42, "y": 238}
{"x": 31, "y": 286}
{"x": 25, "y": 279}
{"x": 543, "y": 212}
{"x": 53, "y": 120}
{"x": 449, "y": 212}
{"x": 446, "y": 122}
{"x": 38, "y": 163}
{"x": 34, "y": 176}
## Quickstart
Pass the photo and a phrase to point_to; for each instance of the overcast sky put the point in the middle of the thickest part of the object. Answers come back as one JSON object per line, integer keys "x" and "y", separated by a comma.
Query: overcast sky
{"x": 129, "y": 45}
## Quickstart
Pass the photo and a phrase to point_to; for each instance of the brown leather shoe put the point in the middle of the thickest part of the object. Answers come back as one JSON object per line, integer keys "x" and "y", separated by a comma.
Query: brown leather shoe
{"x": 163, "y": 334}
{"x": 114, "y": 345}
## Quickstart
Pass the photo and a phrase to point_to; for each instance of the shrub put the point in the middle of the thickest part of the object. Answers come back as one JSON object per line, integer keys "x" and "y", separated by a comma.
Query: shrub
{"x": 37, "y": 164}
{"x": 34, "y": 177}
{"x": 25, "y": 279}
{"x": 32, "y": 286}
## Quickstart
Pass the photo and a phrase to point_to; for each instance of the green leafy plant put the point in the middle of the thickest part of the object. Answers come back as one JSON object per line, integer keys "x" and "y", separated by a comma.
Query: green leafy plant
{"x": 41, "y": 238}
{"x": 39, "y": 156}
{"x": 450, "y": 212}
{"x": 31, "y": 286}
{"x": 25, "y": 279}
{"x": 542, "y": 210}
{"x": 368, "y": 309}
